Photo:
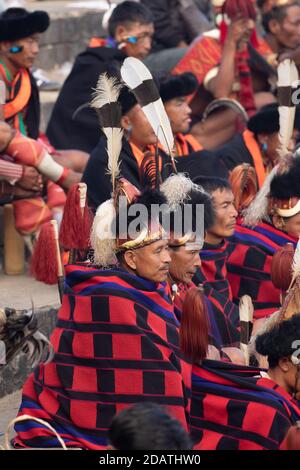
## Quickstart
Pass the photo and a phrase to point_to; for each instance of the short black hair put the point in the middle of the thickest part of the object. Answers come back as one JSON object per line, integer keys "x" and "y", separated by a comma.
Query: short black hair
{"x": 147, "y": 426}
{"x": 277, "y": 343}
{"x": 277, "y": 13}
{"x": 193, "y": 199}
{"x": 212, "y": 183}
{"x": 128, "y": 12}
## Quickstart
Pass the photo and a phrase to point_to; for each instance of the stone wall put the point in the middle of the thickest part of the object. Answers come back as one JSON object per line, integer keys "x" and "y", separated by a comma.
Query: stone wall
{"x": 68, "y": 35}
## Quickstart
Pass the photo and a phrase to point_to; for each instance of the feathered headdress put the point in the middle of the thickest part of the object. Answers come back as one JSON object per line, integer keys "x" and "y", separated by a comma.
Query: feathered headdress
{"x": 140, "y": 81}
{"x": 287, "y": 81}
{"x": 105, "y": 102}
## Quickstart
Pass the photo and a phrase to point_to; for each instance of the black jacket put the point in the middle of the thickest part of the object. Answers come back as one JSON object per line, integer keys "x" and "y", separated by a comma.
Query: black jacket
{"x": 234, "y": 153}
{"x": 98, "y": 182}
{"x": 66, "y": 131}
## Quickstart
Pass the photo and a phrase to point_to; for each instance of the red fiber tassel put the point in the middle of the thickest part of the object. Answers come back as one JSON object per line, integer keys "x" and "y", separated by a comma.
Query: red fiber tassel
{"x": 281, "y": 267}
{"x": 194, "y": 327}
{"x": 44, "y": 259}
{"x": 77, "y": 221}
{"x": 56, "y": 197}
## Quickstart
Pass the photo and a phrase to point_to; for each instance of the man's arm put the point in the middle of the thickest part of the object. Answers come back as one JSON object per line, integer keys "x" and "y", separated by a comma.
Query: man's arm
{"x": 222, "y": 83}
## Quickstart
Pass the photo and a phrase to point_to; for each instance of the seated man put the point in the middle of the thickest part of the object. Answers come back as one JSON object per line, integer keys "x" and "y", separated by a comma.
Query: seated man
{"x": 186, "y": 258}
{"x": 73, "y": 123}
{"x": 213, "y": 272}
{"x": 236, "y": 408}
{"x": 258, "y": 144}
{"x": 174, "y": 91}
{"x": 221, "y": 61}
{"x": 271, "y": 221}
{"x": 282, "y": 35}
{"x": 115, "y": 342}
{"x": 176, "y": 24}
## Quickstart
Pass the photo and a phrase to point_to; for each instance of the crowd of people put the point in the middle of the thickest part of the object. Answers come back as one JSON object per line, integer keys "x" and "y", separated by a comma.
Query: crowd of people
{"x": 166, "y": 337}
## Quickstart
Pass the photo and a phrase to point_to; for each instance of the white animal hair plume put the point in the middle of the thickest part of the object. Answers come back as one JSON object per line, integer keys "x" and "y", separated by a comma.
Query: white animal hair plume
{"x": 105, "y": 102}
{"x": 287, "y": 82}
{"x": 139, "y": 79}
{"x": 295, "y": 265}
{"x": 258, "y": 209}
{"x": 103, "y": 240}
{"x": 176, "y": 189}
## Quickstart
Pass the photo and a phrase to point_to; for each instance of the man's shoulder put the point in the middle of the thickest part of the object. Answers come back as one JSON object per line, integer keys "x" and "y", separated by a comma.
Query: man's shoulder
{"x": 101, "y": 53}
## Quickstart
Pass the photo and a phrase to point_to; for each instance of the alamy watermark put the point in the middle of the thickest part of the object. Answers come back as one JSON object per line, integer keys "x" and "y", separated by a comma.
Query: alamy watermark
{"x": 131, "y": 221}
{"x": 296, "y": 93}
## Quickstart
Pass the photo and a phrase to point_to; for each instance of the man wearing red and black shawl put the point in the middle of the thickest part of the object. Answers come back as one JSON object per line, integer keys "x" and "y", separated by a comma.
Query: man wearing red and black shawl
{"x": 251, "y": 249}
{"x": 213, "y": 273}
{"x": 185, "y": 249}
{"x": 243, "y": 408}
{"x": 116, "y": 344}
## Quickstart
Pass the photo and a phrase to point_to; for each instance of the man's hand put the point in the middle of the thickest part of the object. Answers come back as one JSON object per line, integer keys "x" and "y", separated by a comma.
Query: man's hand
{"x": 6, "y": 134}
{"x": 236, "y": 30}
{"x": 31, "y": 180}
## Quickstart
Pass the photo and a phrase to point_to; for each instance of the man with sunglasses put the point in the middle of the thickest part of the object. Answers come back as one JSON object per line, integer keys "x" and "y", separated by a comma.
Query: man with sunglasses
{"x": 73, "y": 122}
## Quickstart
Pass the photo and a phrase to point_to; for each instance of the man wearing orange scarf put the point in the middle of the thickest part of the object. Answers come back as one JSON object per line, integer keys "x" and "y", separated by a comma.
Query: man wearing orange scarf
{"x": 19, "y": 35}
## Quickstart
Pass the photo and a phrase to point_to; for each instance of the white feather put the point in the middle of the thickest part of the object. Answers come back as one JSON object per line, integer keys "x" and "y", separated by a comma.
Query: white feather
{"x": 246, "y": 309}
{"x": 295, "y": 265}
{"x": 134, "y": 73}
{"x": 107, "y": 91}
{"x": 102, "y": 237}
{"x": 176, "y": 189}
{"x": 287, "y": 76}
{"x": 114, "y": 137}
{"x": 258, "y": 209}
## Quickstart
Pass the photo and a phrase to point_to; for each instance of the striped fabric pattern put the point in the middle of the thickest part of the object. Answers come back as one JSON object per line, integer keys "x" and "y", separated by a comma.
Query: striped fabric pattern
{"x": 116, "y": 343}
{"x": 213, "y": 276}
{"x": 233, "y": 408}
{"x": 250, "y": 254}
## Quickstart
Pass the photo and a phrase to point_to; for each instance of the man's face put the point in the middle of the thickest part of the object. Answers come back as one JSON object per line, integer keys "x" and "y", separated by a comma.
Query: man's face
{"x": 179, "y": 114}
{"x": 141, "y": 132}
{"x": 290, "y": 225}
{"x": 26, "y": 57}
{"x": 137, "y": 37}
{"x": 273, "y": 144}
{"x": 150, "y": 262}
{"x": 287, "y": 32}
{"x": 225, "y": 216}
{"x": 184, "y": 262}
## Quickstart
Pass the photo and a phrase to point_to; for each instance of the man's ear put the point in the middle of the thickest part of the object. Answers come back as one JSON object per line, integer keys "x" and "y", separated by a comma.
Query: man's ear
{"x": 125, "y": 122}
{"x": 120, "y": 33}
{"x": 130, "y": 259}
{"x": 278, "y": 222}
{"x": 274, "y": 26}
{"x": 284, "y": 364}
{"x": 262, "y": 138}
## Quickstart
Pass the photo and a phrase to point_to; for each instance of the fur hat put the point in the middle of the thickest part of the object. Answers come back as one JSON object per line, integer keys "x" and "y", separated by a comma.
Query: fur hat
{"x": 18, "y": 23}
{"x": 284, "y": 198}
{"x": 266, "y": 120}
{"x": 175, "y": 86}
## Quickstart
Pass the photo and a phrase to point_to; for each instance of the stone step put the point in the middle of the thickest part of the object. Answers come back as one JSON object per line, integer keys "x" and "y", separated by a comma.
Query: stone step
{"x": 72, "y": 25}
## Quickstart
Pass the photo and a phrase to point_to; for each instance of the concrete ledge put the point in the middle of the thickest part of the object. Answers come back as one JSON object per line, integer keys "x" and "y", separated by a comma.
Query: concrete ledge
{"x": 14, "y": 374}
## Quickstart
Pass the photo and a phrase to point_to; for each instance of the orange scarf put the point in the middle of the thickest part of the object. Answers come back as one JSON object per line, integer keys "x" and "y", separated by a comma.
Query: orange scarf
{"x": 255, "y": 152}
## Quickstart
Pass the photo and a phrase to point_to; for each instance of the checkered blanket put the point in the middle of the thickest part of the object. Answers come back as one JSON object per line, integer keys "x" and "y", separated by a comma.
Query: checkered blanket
{"x": 116, "y": 343}
{"x": 234, "y": 408}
